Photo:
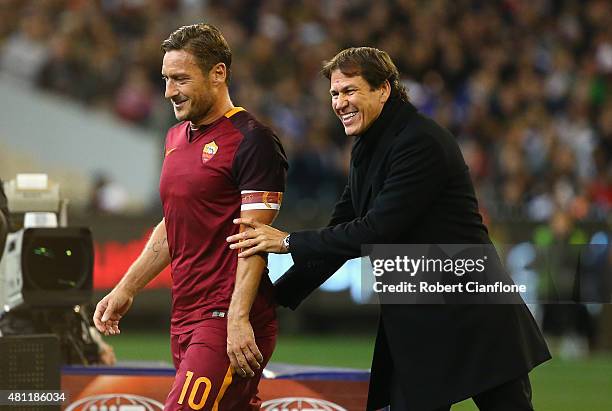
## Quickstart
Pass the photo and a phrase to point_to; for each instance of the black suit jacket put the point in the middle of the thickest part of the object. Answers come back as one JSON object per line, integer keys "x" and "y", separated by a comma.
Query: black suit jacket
{"x": 417, "y": 190}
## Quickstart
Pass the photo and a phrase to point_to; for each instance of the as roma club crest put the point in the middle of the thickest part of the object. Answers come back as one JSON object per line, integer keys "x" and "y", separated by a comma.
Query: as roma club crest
{"x": 209, "y": 151}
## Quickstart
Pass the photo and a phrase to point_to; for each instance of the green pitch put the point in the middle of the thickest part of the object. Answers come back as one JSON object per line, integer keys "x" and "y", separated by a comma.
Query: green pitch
{"x": 558, "y": 385}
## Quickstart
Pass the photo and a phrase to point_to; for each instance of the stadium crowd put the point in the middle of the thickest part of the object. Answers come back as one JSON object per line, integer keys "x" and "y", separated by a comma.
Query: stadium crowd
{"x": 526, "y": 85}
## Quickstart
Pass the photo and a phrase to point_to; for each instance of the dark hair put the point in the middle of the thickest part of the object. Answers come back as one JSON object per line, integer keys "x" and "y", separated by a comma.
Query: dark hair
{"x": 205, "y": 42}
{"x": 374, "y": 65}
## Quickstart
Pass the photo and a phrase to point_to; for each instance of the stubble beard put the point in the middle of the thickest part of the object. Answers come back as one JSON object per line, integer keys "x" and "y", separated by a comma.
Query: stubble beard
{"x": 200, "y": 110}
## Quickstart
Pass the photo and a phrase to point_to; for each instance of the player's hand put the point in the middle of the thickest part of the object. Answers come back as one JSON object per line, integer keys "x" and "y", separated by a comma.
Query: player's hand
{"x": 111, "y": 309}
{"x": 261, "y": 239}
{"x": 242, "y": 350}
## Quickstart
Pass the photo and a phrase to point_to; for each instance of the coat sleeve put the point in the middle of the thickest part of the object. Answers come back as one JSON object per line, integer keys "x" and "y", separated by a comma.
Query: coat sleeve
{"x": 417, "y": 173}
{"x": 305, "y": 277}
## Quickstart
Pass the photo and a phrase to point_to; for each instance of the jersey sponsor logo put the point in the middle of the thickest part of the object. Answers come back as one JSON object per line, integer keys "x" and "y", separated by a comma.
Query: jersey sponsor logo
{"x": 260, "y": 200}
{"x": 300, "y": 404}
{"x": 169, "y": 151}
{"x": 118, "y": 402}
{"x": 209, "y": 151}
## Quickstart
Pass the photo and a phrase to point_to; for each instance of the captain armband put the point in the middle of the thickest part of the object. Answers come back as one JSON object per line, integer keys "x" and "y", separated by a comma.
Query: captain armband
{"x": 260, "y": 200}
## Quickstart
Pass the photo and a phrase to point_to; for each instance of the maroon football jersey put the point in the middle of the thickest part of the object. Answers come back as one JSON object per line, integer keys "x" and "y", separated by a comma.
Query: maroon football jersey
{"x": 203, "y": 174}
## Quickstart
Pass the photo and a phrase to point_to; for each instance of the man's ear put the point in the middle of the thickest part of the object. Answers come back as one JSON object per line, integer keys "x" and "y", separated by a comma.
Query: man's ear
{"x": 218, "y": 74}
{"x": 385, "y": 92}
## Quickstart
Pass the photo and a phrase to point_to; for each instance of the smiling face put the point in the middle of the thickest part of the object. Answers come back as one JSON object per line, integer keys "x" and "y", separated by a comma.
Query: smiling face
{"x": 187, "y": 87}
{"x": 355, "y": 102}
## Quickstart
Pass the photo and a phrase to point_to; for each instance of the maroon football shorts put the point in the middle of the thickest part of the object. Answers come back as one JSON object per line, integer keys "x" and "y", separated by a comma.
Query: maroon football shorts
{"x": 204, "y": 380}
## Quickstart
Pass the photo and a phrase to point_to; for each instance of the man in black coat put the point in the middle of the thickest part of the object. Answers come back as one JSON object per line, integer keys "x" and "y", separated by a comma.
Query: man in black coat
{"x": 408, "y": 184}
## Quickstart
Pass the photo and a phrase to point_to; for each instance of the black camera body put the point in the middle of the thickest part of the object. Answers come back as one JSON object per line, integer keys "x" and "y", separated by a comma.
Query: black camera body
{"x": 47, "y": 267}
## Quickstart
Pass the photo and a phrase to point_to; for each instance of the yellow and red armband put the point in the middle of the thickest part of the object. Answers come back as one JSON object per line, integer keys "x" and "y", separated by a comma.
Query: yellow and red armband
{"x": 260, "y": 200}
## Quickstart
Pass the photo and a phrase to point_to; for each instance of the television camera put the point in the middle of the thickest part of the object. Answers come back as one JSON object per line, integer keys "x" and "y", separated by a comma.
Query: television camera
{"x": 46, "y": 270}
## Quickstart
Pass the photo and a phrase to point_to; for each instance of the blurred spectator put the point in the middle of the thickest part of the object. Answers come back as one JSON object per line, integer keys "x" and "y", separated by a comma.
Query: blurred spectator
{"x": 566, "y": 317}
{"x": 525, "y": 85}
{"x": 26, "y": 50}
{"x": 134, "y": 98}
{"x": 107, "y": 196}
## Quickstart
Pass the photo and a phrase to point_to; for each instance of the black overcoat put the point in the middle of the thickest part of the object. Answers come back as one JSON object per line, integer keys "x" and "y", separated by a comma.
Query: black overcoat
{"x": 416, "y": 189}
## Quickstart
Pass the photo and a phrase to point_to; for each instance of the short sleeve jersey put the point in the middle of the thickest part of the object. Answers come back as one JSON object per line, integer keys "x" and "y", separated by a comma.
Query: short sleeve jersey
{"x": 203, "y": 174}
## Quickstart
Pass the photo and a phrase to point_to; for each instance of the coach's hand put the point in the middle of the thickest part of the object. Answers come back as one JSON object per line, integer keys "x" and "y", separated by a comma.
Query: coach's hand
{"x": 242, "y": 350}
{"x": 261, "y": 239}
{"x": 110, "y": 309}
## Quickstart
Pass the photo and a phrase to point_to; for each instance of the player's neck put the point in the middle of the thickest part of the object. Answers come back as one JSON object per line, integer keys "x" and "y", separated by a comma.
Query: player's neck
{"x": 222, "y": 106}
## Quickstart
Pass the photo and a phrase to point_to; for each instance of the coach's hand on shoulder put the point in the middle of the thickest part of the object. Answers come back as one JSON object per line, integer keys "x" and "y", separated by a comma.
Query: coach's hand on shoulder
{"x": 261, "y": 239}
{"x": 242, "y": 350}
{"x": 111, "y": 309}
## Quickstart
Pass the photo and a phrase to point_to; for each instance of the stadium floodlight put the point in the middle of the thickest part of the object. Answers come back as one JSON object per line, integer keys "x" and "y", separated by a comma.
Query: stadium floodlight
{"x": 43, "y": 265}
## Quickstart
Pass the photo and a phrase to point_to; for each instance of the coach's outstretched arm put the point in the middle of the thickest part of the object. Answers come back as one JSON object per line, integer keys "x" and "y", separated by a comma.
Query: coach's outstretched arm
{"x": 418, "y": 173}
{"x": 153, "y": 259}
{"x": 302, "y": 279}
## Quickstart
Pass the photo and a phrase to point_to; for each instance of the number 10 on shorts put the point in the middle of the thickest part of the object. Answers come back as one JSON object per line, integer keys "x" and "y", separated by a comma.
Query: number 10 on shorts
{"x": 194, "y": 390}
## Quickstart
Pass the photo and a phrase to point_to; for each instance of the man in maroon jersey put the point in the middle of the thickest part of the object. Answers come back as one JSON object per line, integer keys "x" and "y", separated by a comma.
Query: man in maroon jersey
{"x": 220, "y": 163}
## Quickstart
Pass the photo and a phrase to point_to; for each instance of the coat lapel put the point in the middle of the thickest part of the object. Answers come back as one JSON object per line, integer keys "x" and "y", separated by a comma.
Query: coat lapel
{"x": 363, "y": 194}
